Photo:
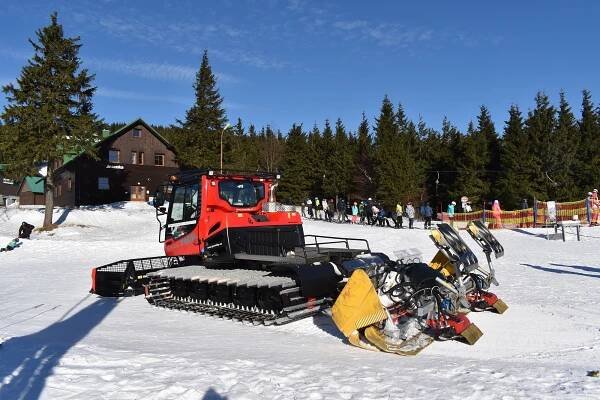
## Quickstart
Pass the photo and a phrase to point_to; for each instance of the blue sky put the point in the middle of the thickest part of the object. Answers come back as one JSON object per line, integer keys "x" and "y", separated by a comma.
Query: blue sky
{"x": 280, "y": 62}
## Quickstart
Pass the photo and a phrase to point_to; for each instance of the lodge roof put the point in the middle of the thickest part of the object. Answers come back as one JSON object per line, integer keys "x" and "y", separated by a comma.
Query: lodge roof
{"x": 112, "y": 136}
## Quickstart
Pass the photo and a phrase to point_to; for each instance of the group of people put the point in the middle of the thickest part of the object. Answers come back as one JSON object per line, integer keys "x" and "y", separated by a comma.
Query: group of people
{"x": 365, "y": 212}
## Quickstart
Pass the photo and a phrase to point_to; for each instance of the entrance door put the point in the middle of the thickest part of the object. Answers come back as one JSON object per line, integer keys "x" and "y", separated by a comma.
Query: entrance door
{"x": 138, "y": 193}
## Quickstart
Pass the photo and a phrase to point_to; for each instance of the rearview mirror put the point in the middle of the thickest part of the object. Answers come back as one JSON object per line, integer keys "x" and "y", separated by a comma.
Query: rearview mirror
{"x": 159, "y": 199}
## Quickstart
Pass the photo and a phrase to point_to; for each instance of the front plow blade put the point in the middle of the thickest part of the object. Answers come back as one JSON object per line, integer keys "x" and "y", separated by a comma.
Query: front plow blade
{"x": 356, "y": 339}
{"x": 358, "y": 305}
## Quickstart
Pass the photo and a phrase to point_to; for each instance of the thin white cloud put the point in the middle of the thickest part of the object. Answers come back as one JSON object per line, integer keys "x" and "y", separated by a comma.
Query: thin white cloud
{"x": 182, "y": 36}
{"x": 247, "y": 58}
{"x": 142, "y": 97}
{"x": 152, "y": 70}
{"x": 6, "y": 52}
{"x": 384, "y": 34}
{"x": 138, "y": 96}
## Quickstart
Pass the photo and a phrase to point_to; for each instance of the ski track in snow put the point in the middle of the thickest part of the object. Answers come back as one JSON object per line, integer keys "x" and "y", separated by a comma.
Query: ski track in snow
{"x": 62, "y": 343}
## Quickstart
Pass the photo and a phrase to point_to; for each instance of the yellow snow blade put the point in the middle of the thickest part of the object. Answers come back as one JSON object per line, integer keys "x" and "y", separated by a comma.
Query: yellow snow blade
{"x": 357, "y": 340}
{"x": 409, "y": 347}
{"x": 471, "y": 334}
{"x": 441, "y": 263}
{"x": 500, "y": 306}
{"x": 357, "y": 305}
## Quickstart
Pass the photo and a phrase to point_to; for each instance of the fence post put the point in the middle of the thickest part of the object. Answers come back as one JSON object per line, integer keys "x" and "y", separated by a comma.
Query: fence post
{"x": 535, "y": 211}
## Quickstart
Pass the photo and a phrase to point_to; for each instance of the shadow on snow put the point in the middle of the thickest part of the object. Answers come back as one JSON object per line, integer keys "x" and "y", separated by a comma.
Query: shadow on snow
{"x": 565, "y": 271}
{"x": 27, "y": 361}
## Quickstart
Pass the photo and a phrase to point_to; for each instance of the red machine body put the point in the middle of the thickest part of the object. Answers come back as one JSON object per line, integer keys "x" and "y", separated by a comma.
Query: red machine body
{"x": 223, "y": 203}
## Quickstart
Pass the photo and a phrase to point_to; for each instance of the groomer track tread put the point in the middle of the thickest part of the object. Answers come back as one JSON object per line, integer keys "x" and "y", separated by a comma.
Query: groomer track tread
{"x": 254, "y": 296}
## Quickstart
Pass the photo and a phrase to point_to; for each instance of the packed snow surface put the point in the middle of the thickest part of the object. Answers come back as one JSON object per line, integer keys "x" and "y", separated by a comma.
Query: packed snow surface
{"x": 62, "y": 343}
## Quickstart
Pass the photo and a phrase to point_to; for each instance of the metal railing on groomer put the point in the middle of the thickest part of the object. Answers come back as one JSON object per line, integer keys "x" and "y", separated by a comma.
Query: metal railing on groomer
{"x": 333, "y": 240}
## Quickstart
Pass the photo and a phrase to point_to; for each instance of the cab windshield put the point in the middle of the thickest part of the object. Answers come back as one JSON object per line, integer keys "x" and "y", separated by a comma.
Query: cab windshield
{"x": 241, "y": 193}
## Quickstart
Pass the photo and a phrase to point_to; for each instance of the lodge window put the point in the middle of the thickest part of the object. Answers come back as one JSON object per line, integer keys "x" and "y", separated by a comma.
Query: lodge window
{"x": 159, "y": 159}
{"x": 137, "y": 133}
{"x": 59, "y": 190}
{"x": 69, "y": 184}
{"x": 103, "y": 183}
{"x": 141, "y": 160}
{"x": 113, "y": 155}
{"x": 134, "y": 157}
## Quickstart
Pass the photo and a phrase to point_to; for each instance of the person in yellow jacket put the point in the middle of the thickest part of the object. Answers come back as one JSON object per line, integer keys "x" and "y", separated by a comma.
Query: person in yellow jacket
{"x": 399, "y": 212}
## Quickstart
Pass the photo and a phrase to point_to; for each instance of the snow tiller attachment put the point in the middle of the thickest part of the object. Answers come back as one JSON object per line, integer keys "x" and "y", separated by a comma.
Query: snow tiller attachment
{"x": 460, "y": 266}
{"x": 400, "y": 308}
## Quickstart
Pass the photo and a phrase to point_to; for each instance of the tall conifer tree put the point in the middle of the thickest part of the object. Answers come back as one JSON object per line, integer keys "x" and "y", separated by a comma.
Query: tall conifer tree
{"x": 295, "y": 183}
{"x": 339, "y": 163}
{"x": 516, "y": 162}
{"x": 198, "y": 143}
{"x": 486, "y": 127}
{"x": 314, "y": 162}
{"x": 49, "y": 112}
{"x": 471, "y": 178}
{"x": 563, "y": 154}
{"x": 540, "y": 125}
{"x": 395, "y": 167}
{"x": 364, "y": 183}
{"x": 326, "y": 149}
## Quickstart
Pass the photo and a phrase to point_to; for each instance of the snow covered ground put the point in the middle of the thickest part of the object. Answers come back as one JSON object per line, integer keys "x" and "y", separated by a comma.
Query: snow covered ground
{"x": 63, "y": 343}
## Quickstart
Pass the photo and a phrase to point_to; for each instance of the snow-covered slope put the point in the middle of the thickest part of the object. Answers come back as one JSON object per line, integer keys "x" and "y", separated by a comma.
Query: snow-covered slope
{"x": 62, "y": 343}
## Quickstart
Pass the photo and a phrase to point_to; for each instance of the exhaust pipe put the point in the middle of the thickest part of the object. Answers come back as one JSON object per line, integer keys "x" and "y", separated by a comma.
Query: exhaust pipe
{"x": 272, "y": 193}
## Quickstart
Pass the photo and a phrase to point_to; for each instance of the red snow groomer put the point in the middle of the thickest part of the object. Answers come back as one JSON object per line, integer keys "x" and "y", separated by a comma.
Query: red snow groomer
{"x": 233, "y": 252}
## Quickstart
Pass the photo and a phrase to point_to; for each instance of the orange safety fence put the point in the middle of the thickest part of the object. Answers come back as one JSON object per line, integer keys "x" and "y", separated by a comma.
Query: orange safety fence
{"x": 529, "y": 217}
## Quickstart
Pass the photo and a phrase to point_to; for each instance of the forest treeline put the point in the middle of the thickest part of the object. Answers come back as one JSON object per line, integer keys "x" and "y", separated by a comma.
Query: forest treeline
{"x": 547, "y": 153}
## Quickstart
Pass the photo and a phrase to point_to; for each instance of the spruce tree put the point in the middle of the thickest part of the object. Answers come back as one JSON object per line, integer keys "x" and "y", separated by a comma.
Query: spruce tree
{"x": 396, "y": 169}
{"x": 49, "y": 112}
{"x": 313, "y": 161}
{"x": 198, "y": 144}
{"x": 516, "y": 162}
{"x": 339, "y": 165}
{"x": 326, "y": 149}
{"x": 364, "y": 183}
{"x": 486, "y": 127}
{"x": 563, "y": 154}
{"x": 295, "y": 183}
{"x": 540, "y": 125}
{"x": 471, "y": 180}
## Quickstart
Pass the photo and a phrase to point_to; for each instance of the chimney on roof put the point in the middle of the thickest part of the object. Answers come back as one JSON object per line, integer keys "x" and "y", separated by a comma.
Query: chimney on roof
{"x": 105, "y": 133}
